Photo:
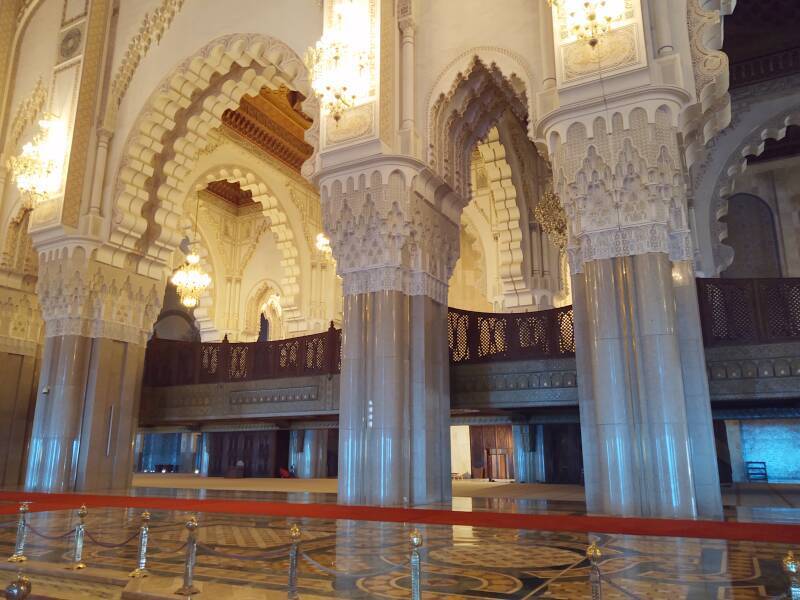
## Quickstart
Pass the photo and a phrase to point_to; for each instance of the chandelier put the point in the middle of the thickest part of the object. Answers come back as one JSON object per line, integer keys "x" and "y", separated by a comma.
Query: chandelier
{"x": 550, "y": 215}
{"x": 39, "y": 167}
{"x": 323, "y": 244}
{"x": 339, "y": 63}
{"x": 590, "y": 19}
{"x": 190, "y": 280}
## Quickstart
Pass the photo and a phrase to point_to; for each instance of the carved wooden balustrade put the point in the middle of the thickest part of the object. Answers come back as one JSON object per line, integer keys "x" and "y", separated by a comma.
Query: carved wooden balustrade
{"x": 732, "y": 311}
{"x": 169, "y": 362}
{"x": 749, "y": 311}
{"x": 476, "y": 337}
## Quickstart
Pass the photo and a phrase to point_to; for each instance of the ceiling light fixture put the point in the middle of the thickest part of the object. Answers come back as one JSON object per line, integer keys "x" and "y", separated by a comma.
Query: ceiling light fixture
{"x": 190, "y": 279}
{"x": 590, "y": 19}
{"x": 38, "y": 169}
{"x": 339, "y": 63}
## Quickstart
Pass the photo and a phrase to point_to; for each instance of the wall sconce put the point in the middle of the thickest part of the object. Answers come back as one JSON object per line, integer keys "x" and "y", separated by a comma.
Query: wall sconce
{"x": 39, "y": 168}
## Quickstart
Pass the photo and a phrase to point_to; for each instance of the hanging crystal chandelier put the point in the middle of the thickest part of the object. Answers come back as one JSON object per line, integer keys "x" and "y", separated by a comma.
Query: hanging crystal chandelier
{"x": 39, "y": 167}
{"x": 323, "y": 244}
{"x": 590, "y": 19}
{"x": 190, "y": 280}
{"x": 339, "y": 63}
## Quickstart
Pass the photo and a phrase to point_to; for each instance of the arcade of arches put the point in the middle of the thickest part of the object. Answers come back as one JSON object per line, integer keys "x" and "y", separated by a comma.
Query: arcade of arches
{"x": 614, "y": 228}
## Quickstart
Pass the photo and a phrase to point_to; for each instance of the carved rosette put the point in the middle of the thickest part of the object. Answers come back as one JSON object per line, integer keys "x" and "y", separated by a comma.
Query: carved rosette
{"x": 80, "y": 296}
{"x": 623, "y": 191}
{"x": 394, "y": 227}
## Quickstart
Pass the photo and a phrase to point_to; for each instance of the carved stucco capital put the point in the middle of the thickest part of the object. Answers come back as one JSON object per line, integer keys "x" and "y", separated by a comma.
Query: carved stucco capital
{"x": 80, "y": 296}
{"x": 623, "y": 190}
{"x": 392, "y": 226}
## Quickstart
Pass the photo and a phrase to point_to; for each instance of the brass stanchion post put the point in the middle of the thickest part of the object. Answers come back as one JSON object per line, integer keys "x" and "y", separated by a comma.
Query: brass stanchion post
{"x": 593, "y": 554}
{"x": 80, "y": 529}
{"x": 415, "y": 537}
{"x": 22, "y": 532}
{"x": 792, "y": 569}
{"x": 188, "y": 588}
{"x": 144, "y": 534}
{"x": 294, "y": 533}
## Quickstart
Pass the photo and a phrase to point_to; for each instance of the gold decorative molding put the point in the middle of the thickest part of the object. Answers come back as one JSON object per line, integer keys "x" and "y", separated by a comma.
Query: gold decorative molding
{"x": 152, "y": 29}
{"x": 84, "y": 117}
{"x": 30, "y": 108}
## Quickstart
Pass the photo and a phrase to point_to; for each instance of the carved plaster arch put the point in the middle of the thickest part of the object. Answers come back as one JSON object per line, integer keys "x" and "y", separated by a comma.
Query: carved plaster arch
{"x": 173, "y": 129}
{"x": 753, "y": 144}
{"x": 476, "y": 100}
{"x": 506, "y": 61}
{"x": 286, "y": 240}
{"x": 255, "y": 298}
{"x": 506, "y": 225}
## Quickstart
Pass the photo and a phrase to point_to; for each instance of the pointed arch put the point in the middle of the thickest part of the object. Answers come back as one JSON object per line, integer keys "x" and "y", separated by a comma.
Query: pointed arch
{"x": 172, "y": 131}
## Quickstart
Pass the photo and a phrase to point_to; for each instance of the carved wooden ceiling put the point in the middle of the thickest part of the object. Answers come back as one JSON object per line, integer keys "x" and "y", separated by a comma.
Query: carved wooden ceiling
{"x": 232, "y": 193}
{"x": 762, "y": 40}
{"x": 273, "y": 122}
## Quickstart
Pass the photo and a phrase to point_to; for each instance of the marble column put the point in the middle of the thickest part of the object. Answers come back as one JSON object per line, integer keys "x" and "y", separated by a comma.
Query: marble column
{"x": 539, "y": 472}
{"x": 86, "y": 415}
{"x": 188, "y": 452}
{"x": 733, "y": 428}
{"x": 312, "y": 462}
{"x": 703, "y": 451}
{"x": 633, "y": 411}
{"x": 394, "y": 382}
{"x": 524, "y": 453}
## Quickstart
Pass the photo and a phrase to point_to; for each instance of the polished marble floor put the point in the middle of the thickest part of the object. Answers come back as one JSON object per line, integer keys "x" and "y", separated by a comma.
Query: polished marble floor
{"x": 245, "y": 557}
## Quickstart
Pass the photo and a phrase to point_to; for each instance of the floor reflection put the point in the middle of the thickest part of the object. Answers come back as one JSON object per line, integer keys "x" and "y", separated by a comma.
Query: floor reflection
{"x": 249, "y": 557}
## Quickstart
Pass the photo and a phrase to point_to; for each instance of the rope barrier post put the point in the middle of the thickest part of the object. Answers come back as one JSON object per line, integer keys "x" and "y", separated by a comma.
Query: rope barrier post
{"x": 188, "y": 588}
{"x": 593, "y": 554}
{"x": 19, "y": 590}
{"x": 294, "y": 533}
{"x": 144, "y": 534}
{"x": 22, "y": 532}
{"x": 80, "y": 530}
{"x": 415, "y": 537}
{"x": 792, "y": 569}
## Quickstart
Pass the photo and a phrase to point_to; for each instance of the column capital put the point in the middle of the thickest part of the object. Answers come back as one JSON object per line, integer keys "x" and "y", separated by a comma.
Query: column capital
{"x": 81, "y": 296}
{"x": 393, "y": 225}
{"x": 622, "y": 185}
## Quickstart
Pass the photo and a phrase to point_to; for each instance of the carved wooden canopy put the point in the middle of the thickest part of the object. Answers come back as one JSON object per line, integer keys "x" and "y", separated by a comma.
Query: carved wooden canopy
{"x": 274, "y": 122}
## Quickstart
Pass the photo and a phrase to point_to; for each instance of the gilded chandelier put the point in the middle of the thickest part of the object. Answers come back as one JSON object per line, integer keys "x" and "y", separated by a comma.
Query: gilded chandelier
{"x": 39, "y": 167}
{"x": 552, "y": 219}
{"x": 590, "y": 19}
{"x": 190, "y": 280}
{"x": 339, "y": 63}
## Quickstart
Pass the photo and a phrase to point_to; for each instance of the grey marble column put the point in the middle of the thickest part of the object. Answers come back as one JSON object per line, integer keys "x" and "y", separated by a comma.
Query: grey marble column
{"x": 86, "y": 415}
{"x": 733, "y": 428}
{"x": 312, "y": 462}
{"x": 634, "y": 423}
{"x": 394, "y": 410}
{"x": 188, "y": 450}
{"x": 540, "y": 473}
{"x": 703, "y": 450}
{"x": 524, "y": 453}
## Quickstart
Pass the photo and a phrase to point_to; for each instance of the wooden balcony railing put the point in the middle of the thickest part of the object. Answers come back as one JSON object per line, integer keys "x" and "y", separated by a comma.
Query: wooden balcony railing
{"x": 732, "y": 311}
{"x": 476, "y": 337}
{"x": 169, "y": 362}
{"x": 749, "y": 311}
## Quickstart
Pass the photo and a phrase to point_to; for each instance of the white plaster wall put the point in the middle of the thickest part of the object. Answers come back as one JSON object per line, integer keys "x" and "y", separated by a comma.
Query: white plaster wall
{"x": 460, "y": 458}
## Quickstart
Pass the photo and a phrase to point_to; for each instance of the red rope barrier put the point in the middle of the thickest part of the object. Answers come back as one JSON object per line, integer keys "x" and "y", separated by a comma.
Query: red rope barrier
{"x": 725, "y": 530}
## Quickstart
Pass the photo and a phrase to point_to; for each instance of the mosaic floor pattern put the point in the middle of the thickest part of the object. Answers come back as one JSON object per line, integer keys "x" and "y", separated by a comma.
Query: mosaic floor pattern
{"x": 347, "y": 559}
